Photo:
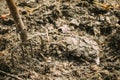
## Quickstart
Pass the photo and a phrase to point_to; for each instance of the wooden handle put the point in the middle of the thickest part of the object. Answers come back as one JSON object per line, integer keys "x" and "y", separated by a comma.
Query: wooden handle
{"x": 19, "y": 23}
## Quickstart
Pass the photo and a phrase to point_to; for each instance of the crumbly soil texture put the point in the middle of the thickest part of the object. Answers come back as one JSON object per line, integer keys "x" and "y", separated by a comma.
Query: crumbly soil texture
{"x": 67, "y": 40}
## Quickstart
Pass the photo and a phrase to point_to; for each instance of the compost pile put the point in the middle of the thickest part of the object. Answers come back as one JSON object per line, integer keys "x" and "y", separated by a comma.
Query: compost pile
{"x": 71, "y": 40}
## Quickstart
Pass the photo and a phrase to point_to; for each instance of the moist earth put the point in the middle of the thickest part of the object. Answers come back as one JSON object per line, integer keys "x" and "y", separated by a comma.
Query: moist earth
{"x": 68, "y": 40}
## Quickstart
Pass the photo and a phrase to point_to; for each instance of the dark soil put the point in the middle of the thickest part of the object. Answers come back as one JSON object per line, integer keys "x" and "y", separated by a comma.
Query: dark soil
{"x": 71, "y": 40}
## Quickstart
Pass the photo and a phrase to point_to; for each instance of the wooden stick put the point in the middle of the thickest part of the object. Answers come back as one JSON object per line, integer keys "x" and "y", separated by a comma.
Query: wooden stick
{"x": 19, "y": 23}
{"x": 11, "y": 75}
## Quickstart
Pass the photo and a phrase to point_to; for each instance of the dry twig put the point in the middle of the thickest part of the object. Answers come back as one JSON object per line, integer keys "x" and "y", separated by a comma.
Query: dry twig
{"x": 11, "y": 75}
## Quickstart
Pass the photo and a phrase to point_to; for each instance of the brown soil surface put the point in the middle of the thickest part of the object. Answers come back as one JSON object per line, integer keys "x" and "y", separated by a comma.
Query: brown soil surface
{"x": 73, "y": 40}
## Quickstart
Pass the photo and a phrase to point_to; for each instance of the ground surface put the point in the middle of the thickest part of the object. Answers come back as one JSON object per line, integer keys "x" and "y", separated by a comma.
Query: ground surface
{"x": 70, "y": 38}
